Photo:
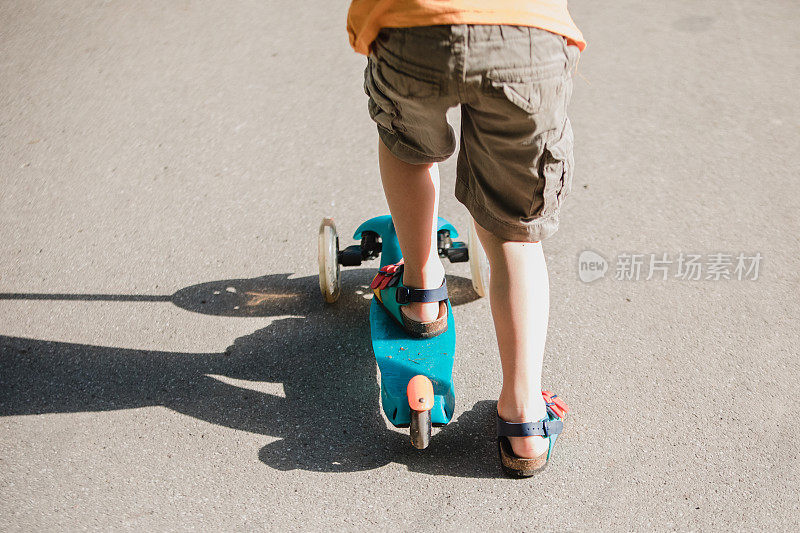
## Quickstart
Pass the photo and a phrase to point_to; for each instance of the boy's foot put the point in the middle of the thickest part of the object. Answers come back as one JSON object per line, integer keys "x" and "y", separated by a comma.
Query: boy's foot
{"x": 524, "y": 447}
{"x": 431, "y": 279}
{"x": 419, "y": 312}
{"x": 425, "y": 313}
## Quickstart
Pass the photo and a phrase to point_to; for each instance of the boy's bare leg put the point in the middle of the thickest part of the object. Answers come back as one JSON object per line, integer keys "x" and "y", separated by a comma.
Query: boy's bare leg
{"x": 520, "y": 300}
{"x": 519, "y": 291}
{"x": 412, "y": 192}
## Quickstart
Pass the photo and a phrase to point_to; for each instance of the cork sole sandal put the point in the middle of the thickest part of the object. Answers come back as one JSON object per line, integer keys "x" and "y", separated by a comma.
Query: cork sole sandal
{"x": 391, "y": 294}
{"x": 548, "y": 427}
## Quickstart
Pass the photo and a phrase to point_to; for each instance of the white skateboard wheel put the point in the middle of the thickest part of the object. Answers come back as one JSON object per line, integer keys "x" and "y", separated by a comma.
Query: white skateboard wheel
{"x": 328, "y": 252}
{"x": 478, "y": 262}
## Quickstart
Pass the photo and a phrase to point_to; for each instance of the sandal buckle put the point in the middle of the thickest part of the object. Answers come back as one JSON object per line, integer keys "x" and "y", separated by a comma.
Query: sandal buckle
{"x": 552, "y": 427}
{"x": 402, "y": 294}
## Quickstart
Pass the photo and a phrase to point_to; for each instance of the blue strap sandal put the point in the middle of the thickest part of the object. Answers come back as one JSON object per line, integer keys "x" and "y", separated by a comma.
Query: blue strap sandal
{"x": 548, "y": 427}
{"x": 392, "y": 295}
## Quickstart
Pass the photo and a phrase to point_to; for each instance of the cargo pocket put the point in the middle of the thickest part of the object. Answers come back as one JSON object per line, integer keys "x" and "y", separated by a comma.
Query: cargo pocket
{"x": 521, "y": 93}
{"x": 526, "y": 87}
{"x": 556, "y": 167}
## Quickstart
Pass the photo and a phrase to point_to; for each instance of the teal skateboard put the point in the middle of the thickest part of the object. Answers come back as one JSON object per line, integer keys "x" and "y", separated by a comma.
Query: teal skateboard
{"x": 416, "y": 375}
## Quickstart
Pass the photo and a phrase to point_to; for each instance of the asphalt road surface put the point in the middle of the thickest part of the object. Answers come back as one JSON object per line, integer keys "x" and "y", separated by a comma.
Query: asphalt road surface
{"x": 167, "y": 362}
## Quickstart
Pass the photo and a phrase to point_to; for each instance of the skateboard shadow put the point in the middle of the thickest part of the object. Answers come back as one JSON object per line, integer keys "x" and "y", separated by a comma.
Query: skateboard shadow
{"x": 328, "y": 418}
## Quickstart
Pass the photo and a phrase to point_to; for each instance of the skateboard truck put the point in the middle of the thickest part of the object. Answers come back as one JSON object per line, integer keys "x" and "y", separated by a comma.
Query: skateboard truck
{"x": 371, "y": 245}
{"x": 456, "y": 252}
{"x": 420, "y": 400}
{"x": 370, "y": 248}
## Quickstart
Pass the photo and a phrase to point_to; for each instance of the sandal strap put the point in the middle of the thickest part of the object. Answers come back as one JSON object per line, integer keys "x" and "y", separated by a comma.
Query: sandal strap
{"x": 406, "y": 295}
{"x": 555, "y": 404}
{"x": 390, "y": 276}
{"x": 544, "y": 427}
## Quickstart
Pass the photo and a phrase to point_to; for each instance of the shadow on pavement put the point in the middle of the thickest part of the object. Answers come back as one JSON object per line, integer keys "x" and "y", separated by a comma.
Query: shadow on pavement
{"x": 329, "y": 419}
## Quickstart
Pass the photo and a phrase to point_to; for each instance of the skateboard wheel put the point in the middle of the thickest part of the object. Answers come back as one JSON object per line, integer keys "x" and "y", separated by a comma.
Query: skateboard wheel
{"x": 420, "y": 399}
{"x": 420, "y": 429}
{"x": 329, "y": 269}
{"x": 478, "y": 262}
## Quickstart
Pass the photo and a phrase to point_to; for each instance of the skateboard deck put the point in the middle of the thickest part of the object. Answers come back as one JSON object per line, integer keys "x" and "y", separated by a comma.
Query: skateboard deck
{"x": 401, "y": 357}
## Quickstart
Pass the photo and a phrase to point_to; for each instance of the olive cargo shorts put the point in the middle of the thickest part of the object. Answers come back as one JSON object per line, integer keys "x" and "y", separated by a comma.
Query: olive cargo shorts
{"x": 513, "y": 84}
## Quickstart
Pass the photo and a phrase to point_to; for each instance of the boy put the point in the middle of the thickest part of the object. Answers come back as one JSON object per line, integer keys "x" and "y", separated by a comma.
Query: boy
{"x": 508, "y": 64}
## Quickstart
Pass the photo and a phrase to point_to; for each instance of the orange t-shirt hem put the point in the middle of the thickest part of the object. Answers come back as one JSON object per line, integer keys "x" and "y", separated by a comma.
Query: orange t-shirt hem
{"x": 361, "y": 40}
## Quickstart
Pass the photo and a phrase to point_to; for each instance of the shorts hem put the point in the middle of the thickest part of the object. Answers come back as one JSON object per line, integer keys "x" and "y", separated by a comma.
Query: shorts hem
{"x": 533, "y": 231}
{"x": 405, "y": 152}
